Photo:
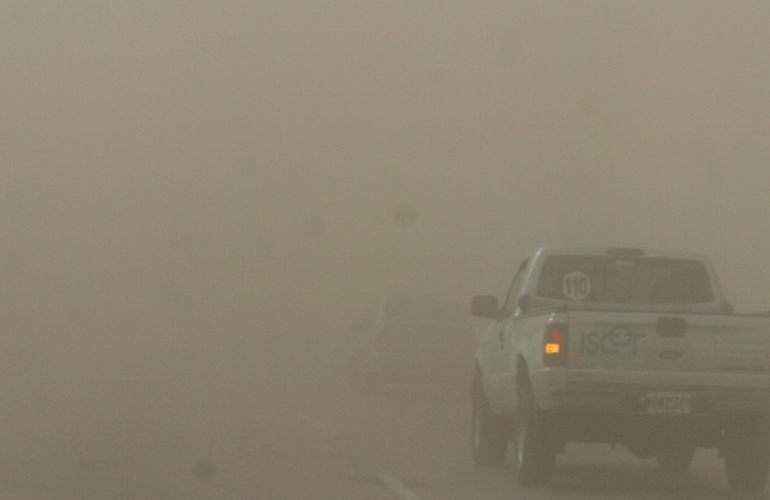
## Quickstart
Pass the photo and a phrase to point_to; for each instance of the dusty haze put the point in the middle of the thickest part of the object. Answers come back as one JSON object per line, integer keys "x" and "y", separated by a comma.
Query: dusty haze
{"x": 182, "y": 183}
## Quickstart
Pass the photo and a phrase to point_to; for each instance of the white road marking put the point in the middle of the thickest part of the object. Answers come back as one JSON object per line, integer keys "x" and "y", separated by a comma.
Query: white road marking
{"x": 398, "y": 487}
{"x": 394, "y": 484}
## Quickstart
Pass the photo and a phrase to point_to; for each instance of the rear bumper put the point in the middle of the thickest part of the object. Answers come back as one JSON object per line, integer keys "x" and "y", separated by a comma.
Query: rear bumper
{"x": 704, "y": 402}
{"x": 613, "y": 415}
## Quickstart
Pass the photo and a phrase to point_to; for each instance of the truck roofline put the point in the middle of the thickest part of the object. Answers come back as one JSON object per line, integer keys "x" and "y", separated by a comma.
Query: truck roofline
{"x": 621, "y": 251}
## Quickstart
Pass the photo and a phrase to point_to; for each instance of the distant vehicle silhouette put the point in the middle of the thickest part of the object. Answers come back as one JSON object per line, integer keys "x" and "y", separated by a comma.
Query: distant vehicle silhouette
{"x": 409, "y": 342}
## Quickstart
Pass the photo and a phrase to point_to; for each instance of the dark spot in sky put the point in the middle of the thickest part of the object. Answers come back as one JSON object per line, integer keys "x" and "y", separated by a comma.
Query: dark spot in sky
{"x": 405, "y": 215}
{"x": 204, "y": 469}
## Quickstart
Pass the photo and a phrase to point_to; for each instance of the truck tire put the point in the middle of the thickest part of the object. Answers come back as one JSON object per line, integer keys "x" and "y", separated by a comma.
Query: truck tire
{"x": 747, "y": 459}
{"x": 489, "y": 439}
{"x": 535, "y": 453}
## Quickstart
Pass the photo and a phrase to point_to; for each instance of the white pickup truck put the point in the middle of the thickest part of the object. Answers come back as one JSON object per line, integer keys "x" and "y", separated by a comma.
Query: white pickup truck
{"x": 619, "y": 345}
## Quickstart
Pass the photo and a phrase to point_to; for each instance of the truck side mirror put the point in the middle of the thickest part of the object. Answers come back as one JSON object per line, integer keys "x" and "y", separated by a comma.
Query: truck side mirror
{"x": 485, "y": 306}
{"x": 524, "y": 302}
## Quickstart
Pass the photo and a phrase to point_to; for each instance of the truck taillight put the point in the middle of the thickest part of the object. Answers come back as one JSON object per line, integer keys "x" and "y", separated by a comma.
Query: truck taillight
{"x": 555, "y": 345}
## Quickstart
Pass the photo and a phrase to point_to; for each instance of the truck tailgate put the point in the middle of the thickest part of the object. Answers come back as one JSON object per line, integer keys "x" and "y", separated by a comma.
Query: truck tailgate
{"x": 660, "y": 350}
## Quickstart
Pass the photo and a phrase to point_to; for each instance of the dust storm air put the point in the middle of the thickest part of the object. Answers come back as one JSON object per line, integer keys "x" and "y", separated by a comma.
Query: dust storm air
{"x": 198, "y": 199}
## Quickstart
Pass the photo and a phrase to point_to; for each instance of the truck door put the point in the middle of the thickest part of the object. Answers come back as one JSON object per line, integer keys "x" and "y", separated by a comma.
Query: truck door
{"x": 500, "y": 382}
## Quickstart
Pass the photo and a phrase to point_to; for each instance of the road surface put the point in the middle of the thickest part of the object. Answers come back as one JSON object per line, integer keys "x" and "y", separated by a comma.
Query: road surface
{"x": 192, "y": 422}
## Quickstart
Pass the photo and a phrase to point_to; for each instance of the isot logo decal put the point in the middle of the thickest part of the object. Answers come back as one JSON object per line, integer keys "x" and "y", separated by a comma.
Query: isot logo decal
{"x": 619, "y": 339}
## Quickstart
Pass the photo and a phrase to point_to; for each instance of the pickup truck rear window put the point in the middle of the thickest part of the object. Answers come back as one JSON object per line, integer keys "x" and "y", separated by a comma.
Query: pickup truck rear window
{"x": 627, "y": 280}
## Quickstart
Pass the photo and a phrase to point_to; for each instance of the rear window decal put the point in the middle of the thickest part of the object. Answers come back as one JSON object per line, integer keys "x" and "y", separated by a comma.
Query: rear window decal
{"x": 576, "y": 285}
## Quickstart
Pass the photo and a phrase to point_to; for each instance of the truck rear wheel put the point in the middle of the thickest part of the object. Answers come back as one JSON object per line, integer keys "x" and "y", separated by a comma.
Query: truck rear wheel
{"x": 489, "y": 438}
{"x": 535, "y": 452}
{"x": 747, "y": 458}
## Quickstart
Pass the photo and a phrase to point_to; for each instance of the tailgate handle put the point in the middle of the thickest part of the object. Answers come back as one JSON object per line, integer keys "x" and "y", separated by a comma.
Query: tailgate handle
{"x": 672, "y": 327}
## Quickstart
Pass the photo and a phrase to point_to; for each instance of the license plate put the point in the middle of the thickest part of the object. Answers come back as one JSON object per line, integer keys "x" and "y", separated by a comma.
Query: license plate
{"x": 669, "y": 402}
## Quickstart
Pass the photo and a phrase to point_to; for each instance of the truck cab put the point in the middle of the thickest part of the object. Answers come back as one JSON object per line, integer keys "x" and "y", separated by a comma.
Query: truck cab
{"x": 621, "y": 345}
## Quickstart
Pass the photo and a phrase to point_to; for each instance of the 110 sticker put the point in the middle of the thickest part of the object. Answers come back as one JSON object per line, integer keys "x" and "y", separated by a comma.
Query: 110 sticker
{"x": 618, "y": 339}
